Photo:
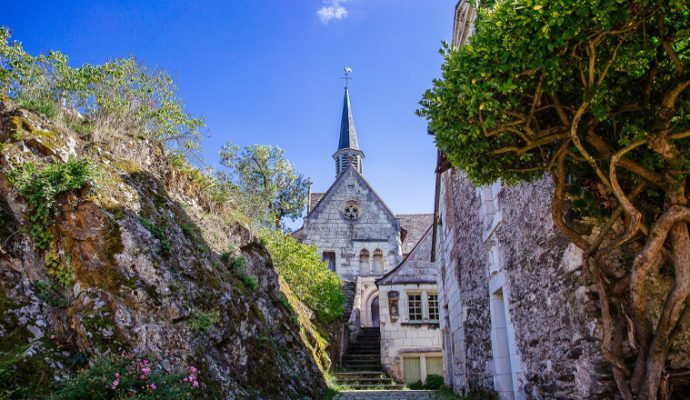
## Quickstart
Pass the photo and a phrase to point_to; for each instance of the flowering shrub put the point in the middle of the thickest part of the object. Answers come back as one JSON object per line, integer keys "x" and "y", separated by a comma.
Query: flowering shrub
{"x": 129, "y": 379}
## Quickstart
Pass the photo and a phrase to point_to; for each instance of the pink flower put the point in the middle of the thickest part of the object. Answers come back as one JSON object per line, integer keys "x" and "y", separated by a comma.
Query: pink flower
{"x": 117, "y": 375}
{"x": 192, "y": 370}
{"x": 195, "y": 384}
{"x": 114, "y": 384}
{"x": 185, "y": 380}
{"x": 152, "y": 386}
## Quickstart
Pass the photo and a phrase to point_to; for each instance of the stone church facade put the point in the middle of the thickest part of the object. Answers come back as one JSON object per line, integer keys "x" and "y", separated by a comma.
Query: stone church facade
{"x": 363, "y": 242}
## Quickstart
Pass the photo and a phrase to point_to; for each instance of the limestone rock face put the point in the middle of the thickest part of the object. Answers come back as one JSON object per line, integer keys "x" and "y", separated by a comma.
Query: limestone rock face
{"x": 142, "y": 249}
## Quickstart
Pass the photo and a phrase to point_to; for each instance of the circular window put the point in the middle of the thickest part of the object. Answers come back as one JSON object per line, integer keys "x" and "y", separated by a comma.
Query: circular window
{"x": 352, "y": 210}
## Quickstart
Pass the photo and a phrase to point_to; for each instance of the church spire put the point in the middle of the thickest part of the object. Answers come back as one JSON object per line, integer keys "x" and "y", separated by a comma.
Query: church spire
{"x": 348, "y": 133}
{"x": 348, "y": 152}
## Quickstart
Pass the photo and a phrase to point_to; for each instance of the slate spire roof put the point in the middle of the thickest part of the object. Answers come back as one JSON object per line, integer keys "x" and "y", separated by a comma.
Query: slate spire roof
{"x": 348, "y": 134}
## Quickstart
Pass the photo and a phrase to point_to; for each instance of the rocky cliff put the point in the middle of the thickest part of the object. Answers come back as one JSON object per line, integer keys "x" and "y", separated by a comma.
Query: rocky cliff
{"x": 140, "y": 261}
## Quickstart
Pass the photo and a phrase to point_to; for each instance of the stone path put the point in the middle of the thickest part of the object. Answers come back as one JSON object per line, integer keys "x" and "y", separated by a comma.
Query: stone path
{"x": 387, "y": 395}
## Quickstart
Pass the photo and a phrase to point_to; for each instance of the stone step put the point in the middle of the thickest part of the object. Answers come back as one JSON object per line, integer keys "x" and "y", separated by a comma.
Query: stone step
{"x": 358, "y": 360}
{"x": 361, "y": 357}
{"x": 357, "y": 378}
{"x": 363, "y": 367}
{"x": 370, "y": 373}
{"x": 390, "y": 386}
{"x": 365, "y": 351}
{"x": 366, "y": 365}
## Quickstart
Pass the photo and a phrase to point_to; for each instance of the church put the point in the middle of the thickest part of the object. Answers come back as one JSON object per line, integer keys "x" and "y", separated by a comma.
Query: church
{"x": 381, "y": 258}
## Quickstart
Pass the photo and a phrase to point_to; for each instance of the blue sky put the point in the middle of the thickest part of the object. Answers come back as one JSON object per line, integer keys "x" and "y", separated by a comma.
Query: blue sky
{"x": 268, "y": 72}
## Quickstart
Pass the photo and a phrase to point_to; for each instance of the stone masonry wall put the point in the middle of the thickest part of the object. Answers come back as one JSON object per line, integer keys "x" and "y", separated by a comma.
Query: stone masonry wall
{"x": 462, "y": 285}
{"x": 551, "y": 323}
{"x": 399, "y": 337}
{"x": 377, "y": 228}
{"x": 551, "y": 306}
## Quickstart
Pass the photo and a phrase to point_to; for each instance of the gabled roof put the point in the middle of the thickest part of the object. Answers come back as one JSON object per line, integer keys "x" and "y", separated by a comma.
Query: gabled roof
{"x": 351, "y": 169}
{"x": 314, "y": 199}
{"x": 413, "y": 227}
{"x": 416, "y": 267}
{"x": 348, "y": 134}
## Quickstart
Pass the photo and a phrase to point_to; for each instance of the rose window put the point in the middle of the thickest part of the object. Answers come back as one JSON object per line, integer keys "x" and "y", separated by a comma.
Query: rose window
{"x": 351, "y": 211}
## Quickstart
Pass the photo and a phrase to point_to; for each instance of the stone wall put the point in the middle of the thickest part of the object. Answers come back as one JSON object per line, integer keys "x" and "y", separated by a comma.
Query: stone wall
{"x": 400, "y": 337}
{"x": 507, "y": 274}
{"x": 462, "y": 285}
{"x": 377, "y": 228}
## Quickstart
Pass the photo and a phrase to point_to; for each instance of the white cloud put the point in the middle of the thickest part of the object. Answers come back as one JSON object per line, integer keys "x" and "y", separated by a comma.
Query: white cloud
{"x": 332, "y": 9}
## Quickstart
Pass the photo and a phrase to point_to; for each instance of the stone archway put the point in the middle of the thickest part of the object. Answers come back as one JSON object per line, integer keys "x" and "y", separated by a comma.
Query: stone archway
{"x": 371, "y": 305}
{"x": 375, "y": 317}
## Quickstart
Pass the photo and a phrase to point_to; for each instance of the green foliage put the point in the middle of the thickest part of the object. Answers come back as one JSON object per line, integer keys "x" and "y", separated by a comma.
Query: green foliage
{"x": 122, "y": 96}
{"x": 9, "y": 360}
{"x": 262, "y": 341}
{"x": 59, "y": 269}
{"x": 270, "y": 187}
{"x": 416, "y": 385}
{"x": 236, "y": 264}
{"x": 306, "y": 274}
{"x": 507, "y": 100}
{"x": 135, "y": 380}
{"x": 250, "y": 281}
{"x": 40, "y": 187}
{"x": 596, "y": 93}
{"x": 286, "y": 303}
{"x": 204, "y": 321}
{"x": 158, "y": 231}
{"x": 433, "y": 382}
{"x": 44, "y": 106}
{"x": 49, "y": 292}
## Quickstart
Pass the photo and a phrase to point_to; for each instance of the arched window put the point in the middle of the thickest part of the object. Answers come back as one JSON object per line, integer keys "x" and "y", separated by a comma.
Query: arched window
{"x": 364, "y": 267}
{"x": 378, "y": 261}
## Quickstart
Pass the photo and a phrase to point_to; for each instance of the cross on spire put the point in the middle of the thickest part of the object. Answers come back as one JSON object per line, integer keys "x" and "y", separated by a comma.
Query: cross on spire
{"x": 347, "y": 78}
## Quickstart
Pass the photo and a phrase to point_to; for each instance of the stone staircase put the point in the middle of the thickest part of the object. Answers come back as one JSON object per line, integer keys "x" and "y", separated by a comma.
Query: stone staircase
{"x": 361, "y": 366}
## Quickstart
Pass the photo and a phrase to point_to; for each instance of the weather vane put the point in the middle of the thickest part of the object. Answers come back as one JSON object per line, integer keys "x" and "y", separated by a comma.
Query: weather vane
{"x": 347, "y": 78}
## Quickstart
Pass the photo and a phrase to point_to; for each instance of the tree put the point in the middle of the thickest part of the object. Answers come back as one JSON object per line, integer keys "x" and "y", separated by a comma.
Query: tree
{"x": 307, "y": 275}
{"x": 272, "y": 187}
{"x": 596, "y": 93}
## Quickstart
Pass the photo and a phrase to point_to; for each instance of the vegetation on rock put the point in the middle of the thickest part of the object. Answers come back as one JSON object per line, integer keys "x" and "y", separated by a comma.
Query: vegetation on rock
{"x": 41, "y": 186}
{"x": 307, "y": 275}
{"x": 596, "y": 93}
{"x": 121, "y": 97}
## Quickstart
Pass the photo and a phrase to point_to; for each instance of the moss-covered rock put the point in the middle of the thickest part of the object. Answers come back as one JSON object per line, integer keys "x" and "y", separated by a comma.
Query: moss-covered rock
{"x": 143, "y": 246}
